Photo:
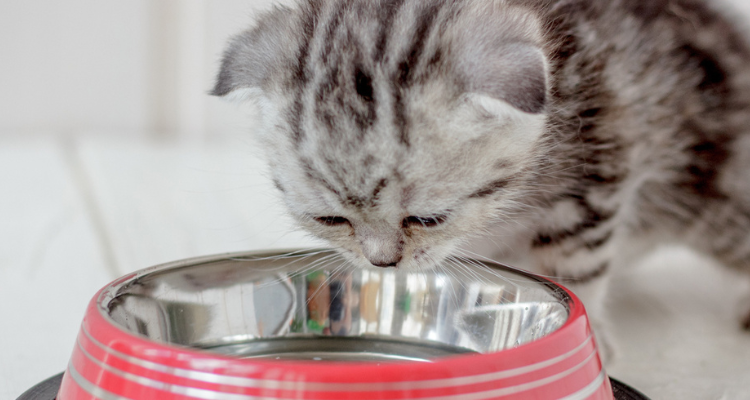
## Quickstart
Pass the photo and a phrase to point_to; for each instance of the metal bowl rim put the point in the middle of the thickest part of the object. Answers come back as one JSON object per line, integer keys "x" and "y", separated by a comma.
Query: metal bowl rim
{"x": 109, "y": 292}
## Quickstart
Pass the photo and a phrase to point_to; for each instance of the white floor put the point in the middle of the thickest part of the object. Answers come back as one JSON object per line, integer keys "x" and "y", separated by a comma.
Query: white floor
{"x": 77, "y": 214}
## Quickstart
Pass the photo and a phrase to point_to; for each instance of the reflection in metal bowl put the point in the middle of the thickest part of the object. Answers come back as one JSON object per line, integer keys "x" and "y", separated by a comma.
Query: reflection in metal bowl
{"x": 251, "y": 298}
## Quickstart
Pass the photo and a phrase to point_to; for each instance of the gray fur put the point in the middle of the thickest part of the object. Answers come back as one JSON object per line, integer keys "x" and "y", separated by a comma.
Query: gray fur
{"x": 578, "y": 129}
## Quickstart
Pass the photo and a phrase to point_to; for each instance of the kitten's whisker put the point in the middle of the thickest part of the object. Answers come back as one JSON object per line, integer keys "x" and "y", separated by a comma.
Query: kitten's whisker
{"x": 454, "y": 278}
{"x": 318, "y": 264}
{"x": 468, "y": 272}
{"x": 292, "y": 254}
{"x": 553, "y": 277}
{"x": 458, "y": 268}
{"x": 490, "y": 270}
{"x": 311, "y": 265}
{"x": 282, "y": 278}
{"x": 485, "y": 269}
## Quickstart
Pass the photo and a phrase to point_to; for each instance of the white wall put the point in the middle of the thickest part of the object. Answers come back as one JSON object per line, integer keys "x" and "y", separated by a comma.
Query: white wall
{"x": 115, "y": 67}
{"x": 74, "y": 64}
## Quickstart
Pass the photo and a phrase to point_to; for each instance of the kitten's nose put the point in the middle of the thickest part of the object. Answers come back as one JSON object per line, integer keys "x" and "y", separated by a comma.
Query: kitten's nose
{"x": 381, "y": 244}
{"x": 385, "y": 264}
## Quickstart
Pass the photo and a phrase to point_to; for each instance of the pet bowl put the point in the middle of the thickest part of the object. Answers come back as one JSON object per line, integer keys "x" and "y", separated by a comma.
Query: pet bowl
{"x": 307, "y": 325}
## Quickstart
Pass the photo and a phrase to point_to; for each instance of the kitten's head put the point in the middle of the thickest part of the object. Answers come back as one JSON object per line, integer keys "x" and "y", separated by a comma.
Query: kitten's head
{"x": 395, "y": 129}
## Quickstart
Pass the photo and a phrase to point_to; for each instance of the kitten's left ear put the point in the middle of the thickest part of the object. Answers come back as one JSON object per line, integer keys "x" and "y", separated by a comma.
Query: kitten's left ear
{"x": 252, "y": 56}
{"x": 500, "y": 56}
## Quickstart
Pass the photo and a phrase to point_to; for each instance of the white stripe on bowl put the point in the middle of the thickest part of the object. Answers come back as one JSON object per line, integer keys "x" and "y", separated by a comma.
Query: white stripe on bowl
{"x": 495, "y": 393}
{"x": 167, "y": 387}
{"x": 102, "y": 394}
{"x": 89, "y": 387}
{"x": 592, "y": 387}
{"x": 335, "y": 387}
{"x": 214, "y": 395}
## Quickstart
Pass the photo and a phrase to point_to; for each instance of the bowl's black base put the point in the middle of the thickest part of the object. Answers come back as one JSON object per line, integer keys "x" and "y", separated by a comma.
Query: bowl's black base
{"x": 47, "y": 390}
{"x": 625, "y": 392}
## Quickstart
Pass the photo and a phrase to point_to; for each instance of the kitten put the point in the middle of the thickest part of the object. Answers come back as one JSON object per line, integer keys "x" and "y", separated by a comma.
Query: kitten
{"x": 585, "y": 132}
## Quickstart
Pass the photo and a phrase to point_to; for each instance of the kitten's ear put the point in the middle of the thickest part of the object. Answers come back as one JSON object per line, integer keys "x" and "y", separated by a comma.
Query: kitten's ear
{"x": 500, "y": 56}
{"x": 516, "y": 74}
{"x": 252, "y": 56}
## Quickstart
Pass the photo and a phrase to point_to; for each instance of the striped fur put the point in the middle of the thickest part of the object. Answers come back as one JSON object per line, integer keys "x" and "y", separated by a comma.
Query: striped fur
{"x": 580, "y": 129}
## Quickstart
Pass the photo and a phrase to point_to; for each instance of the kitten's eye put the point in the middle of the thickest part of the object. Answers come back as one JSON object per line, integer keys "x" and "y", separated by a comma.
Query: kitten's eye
{"x": 427, "y": 222}
{"x": 333, "y": 221}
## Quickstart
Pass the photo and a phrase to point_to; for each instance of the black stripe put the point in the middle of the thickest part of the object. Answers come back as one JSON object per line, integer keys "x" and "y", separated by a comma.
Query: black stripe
{"x": 314, "y": 175}
{"x": 402, "y": 79}
{"x": 356, "y": 201}
{"x": 324, "y": 91}
{"x": 595, "y": 244}
{"x": 301, "y": 70}
{"x": 331, "y": 81}
{"x": 591, "y": 219}
{"x": 713, "y": 86}
{"x": 364, "y": 112}
{"x": 425, "y": 22}
{"x": 708, "y": 156}
{"x": 309, "y": 24}
{"x": 490, "y": 189}
{"x": 277, "y": 184}
{"x": 380, "y": 186}
{"x": 604, "y": 180}
{"x": 389, "y": 11}
{"x": 587, "y": 277}
{"x": 363, "y": 83}
{"x": 590, "y": 113}
{"x": 331, "y": 27}
{"x": 435, "y": 60}
{"x": 372, "y": 201}
{"x": 562, "y": 26}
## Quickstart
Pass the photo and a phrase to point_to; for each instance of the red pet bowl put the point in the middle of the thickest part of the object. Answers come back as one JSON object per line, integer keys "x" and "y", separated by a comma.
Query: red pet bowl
{"x": 306, "y": 325}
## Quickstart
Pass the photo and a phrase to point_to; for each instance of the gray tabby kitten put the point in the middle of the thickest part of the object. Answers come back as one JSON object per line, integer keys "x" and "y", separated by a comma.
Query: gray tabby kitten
{"x": 581, "y": 132}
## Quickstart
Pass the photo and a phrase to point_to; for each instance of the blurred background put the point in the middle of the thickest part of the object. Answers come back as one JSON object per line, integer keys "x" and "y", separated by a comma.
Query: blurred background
{"x": 116, "y": 68}
{"x": 113, "y": 158}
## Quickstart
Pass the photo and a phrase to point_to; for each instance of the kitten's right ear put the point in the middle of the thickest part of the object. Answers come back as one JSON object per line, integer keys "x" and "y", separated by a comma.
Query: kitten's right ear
{"x": 500, "y": 56}
{"x": 252, "y": 56}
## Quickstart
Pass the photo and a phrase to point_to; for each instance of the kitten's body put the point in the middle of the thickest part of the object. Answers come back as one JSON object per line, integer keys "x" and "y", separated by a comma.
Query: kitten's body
{"x": 581, "y": 129}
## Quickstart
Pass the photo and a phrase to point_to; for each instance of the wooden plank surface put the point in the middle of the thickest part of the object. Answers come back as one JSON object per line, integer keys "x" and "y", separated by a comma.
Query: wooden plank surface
{"x": 50, "y": 263}
{"x": 676, "y": 321}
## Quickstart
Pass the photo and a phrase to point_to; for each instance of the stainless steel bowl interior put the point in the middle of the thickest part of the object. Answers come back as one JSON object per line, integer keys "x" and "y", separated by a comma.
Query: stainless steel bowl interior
{"x": 312, "y": 305}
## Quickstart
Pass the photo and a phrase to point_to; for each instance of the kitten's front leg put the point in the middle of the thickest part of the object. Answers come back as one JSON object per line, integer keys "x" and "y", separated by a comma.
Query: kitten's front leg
{"x": 580, "y": 253}
{"x": 587, "y": 273}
